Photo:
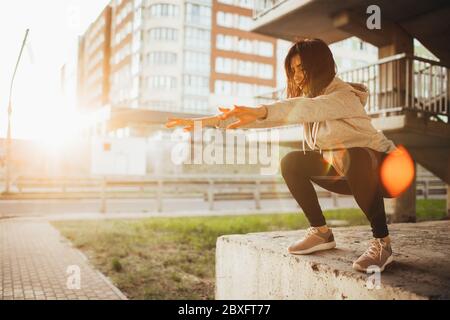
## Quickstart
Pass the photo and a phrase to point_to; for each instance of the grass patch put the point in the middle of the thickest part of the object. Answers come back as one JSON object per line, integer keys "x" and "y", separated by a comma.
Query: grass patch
{"x": 431, "y": 209}
{"x": 173, "y": 258}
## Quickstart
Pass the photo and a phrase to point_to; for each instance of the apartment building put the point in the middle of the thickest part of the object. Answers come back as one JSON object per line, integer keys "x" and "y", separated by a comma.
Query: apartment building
{"x": 125, "y": 53}
{"x": 93, "y": 63}
{"x": 244, "y": 64}
{"x": 146, "y": 60}
{"x": 175, "y": 56}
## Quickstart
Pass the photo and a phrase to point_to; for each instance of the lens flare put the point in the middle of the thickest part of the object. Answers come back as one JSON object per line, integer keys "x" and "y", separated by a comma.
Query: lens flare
{"x": 397, "y": 171}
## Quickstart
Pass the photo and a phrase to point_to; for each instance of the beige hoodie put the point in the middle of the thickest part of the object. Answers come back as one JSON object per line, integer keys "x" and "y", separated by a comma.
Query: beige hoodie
{"x": 333, "y": 121}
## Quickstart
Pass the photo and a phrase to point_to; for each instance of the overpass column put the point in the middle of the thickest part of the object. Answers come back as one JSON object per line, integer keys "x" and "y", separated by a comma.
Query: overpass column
{"x": 392, "y": 94}
{"x": 448, "y": 117}
{"x": 403, "y": 208}
{"x": 393, "y": 77}
{"x": 448, "y": 201}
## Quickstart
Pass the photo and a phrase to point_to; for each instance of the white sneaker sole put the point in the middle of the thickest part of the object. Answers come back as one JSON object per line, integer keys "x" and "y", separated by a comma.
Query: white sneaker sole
{"x": 357, "y": 267}
{"x": 320, "y": 247}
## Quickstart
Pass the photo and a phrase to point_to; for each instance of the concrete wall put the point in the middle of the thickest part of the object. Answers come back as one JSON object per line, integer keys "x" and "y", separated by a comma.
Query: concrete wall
{"x": 258, "y": 266}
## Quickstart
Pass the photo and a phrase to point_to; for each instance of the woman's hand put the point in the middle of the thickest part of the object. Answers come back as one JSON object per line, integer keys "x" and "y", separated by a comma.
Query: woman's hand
{"x": 245, "y": 115}
{"x": 188, "y": 123}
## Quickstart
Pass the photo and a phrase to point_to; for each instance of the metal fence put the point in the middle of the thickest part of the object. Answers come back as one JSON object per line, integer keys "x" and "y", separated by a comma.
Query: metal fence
{"x": 209, "y": 188}
{"x": 403, "y": 82}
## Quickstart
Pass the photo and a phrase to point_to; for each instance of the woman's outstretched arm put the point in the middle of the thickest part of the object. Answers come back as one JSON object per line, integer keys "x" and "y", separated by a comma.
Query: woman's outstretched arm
{"x": 227, "y": 120}
{"x": 188, "y": 123}
{"x": 337, "y": 105}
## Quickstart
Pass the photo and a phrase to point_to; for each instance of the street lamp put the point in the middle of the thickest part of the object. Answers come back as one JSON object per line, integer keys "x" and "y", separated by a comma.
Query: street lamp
{"x": 8, "y": 134}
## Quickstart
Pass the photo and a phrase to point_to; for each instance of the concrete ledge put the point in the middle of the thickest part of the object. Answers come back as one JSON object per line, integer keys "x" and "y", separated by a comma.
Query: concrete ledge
{"x": 257, "y": 266}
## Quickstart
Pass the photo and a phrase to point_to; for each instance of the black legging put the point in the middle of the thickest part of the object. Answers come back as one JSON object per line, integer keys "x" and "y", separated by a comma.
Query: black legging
{"x": 299, "y": 169}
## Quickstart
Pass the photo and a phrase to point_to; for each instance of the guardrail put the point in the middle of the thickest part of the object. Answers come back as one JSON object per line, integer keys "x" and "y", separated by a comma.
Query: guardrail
{"x": 405, "y": 82}
{"x": 209, "y": 188}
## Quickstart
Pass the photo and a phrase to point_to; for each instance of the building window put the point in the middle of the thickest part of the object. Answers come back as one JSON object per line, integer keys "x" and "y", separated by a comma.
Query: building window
{"x": 122, "y": 54}
{"x": 196, "y": 84}
{"x": 197, "y": 38}
{"x": 162, "y": 82}
{"x": 198, "y": 14}
{"x": 233, "y": 20}
{"x": 164, "y": 10}
{"x": 160, "y": 104}
{"x": 225, "y": 19}
{"x": 225, "y": 42}
{"x": 195, "y": 104}
{"x": 239, "y": 89}
{"x": 164, "y": 34}
{"x": 123, "y": 13}
{"x": 224, "y": 65}
{"x": 198, "y": 61}
{"x": 222, "y": 87}
{"x": 123, "y": 32}
{"x": 265, "y": 49}
{"x": 249, "y": 4}
{"x": 235, "y": 43}
{"x": 162, "y": 57}
{"x": 244, "y": 68}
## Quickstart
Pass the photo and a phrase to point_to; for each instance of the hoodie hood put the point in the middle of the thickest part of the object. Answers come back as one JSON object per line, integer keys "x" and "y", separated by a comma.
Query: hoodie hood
{"x": 311, "y": 130}
{"x": 359, "y": 89}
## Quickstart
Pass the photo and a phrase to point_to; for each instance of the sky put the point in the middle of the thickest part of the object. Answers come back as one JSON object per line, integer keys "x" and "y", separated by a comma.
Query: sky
{"x": 39, "y": 110}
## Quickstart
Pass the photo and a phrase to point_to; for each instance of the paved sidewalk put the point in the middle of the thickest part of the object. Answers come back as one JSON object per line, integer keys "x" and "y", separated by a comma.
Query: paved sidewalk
{"x": 36, "y": 262}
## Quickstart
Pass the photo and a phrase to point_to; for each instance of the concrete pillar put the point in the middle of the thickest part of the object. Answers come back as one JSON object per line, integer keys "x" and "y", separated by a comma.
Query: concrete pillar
{"x": 448, "y": 91}
{"x": 402, "y": 208}
{"x": 400, "y": 42}
{"x": 395, "y": 79}
{"x": 448, "y": 201}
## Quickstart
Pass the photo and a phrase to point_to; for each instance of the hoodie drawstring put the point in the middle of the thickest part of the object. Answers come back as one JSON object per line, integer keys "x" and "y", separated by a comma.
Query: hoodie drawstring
{"x": 313, "y": 132}
{"x": 304, "y": 137}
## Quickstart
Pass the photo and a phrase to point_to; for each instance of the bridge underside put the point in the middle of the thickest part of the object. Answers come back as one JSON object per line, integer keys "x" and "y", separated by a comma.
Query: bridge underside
{"x": 334, "y": 21}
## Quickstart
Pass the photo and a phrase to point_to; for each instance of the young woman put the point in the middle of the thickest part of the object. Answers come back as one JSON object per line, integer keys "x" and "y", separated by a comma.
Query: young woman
{"x": 334, "y": 122}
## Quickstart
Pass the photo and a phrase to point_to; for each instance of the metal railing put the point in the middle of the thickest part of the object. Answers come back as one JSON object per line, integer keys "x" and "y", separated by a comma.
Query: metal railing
{"x": 210, "y": 188}
{"x": 261, "y": 7}
{"x": 397, "y": 83}
{"x": 404, "y": 82}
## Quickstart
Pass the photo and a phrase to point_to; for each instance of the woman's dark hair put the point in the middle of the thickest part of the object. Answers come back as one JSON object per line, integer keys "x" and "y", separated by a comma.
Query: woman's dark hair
{"x": 318, "y": 66}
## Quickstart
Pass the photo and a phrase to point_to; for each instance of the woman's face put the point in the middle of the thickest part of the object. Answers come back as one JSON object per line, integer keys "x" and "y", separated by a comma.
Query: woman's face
{"x": 296, "y": 66}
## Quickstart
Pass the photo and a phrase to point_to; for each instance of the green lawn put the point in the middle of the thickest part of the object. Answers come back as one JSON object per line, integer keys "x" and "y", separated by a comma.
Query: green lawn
{"x": 173, "y": 258}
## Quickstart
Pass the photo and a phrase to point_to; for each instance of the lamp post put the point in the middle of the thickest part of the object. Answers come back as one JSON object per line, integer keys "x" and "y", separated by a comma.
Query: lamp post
{"x": 8, "y": 134}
